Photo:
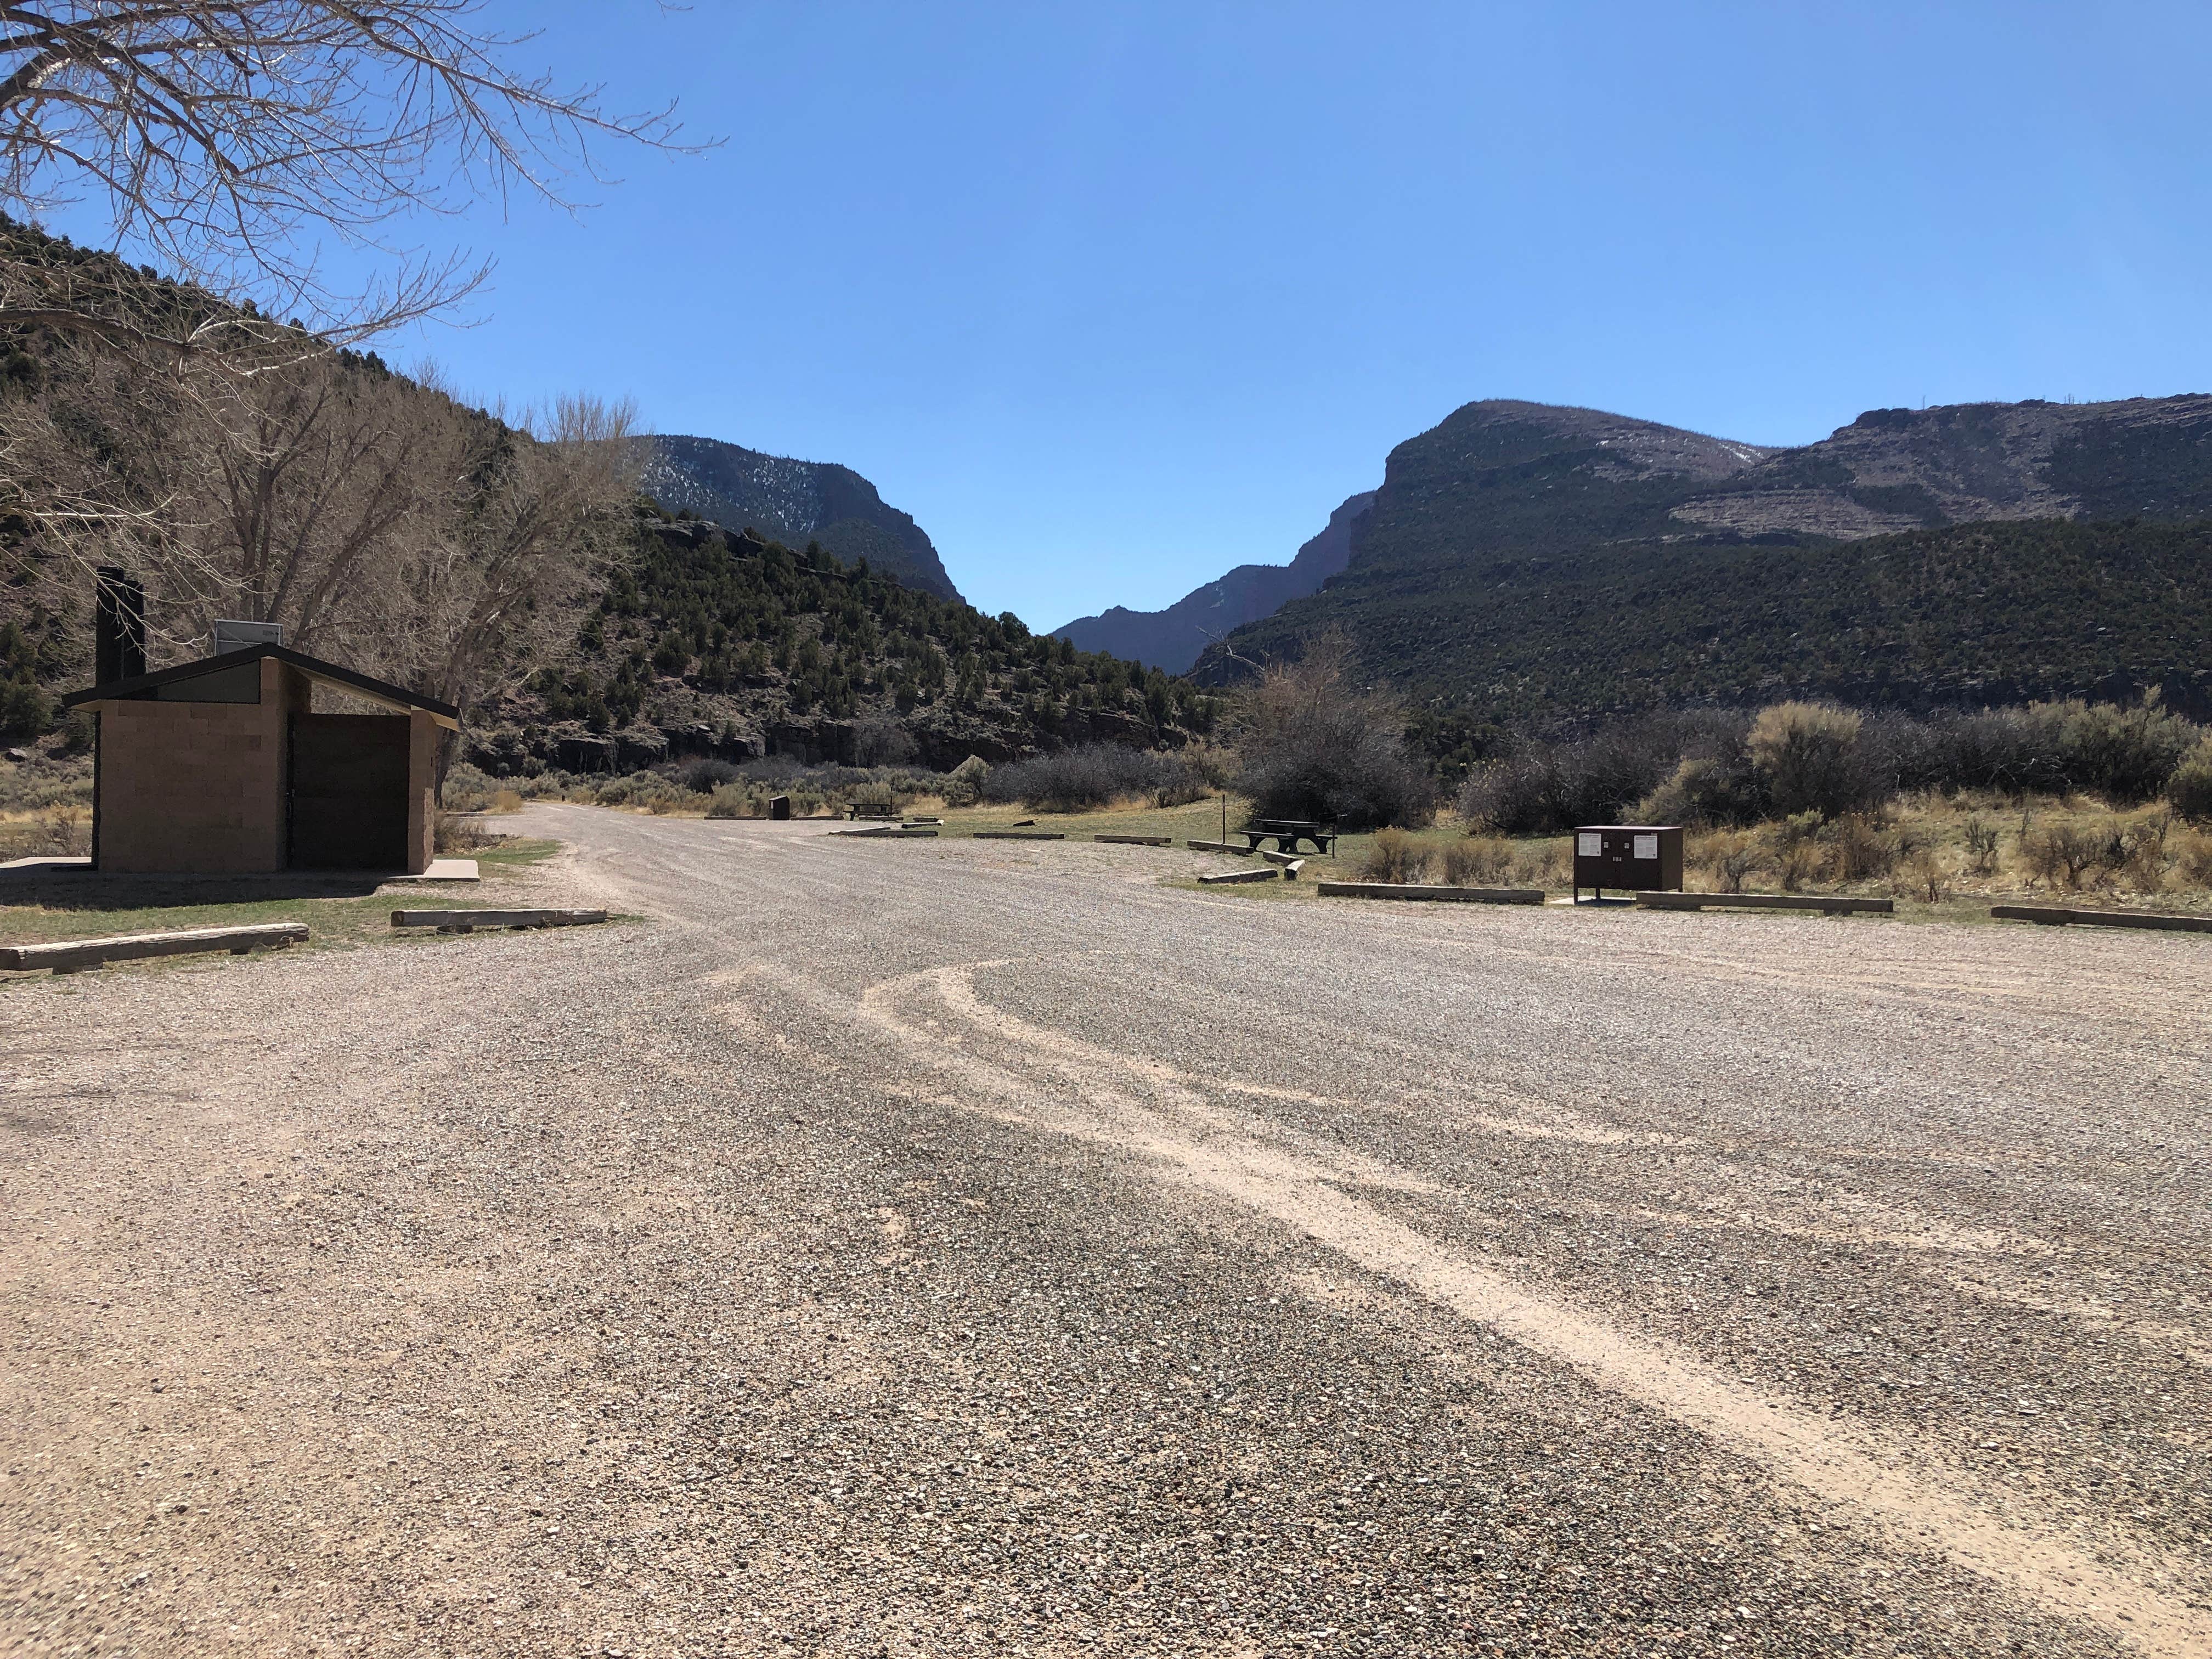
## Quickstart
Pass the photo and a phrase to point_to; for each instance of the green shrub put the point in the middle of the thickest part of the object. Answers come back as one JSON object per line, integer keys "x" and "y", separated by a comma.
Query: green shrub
{"x": 1982, "y": 845}
{"x": 1096, "y": 774}
{"x": 1732, "y": 855}
{"x": 1923, "y": 877}
{"x": 1705, "y": 791}
{"x": 735, "y": 800}
{"x": 705, "y": 776}
{"x": 649, "y": 790}
{"x": 963, "y": 784}
{"x": 466, "y": 789}
{"x": 25, "y": 710}
{"x": 1809, "y": 756}
{"x": 1189, "y": 775}
{"x": 2190, "y": 788}
{"x": 2124, "y": 754}
{"x": 2194, "y": 855}
{"x": 1600, "y": 778}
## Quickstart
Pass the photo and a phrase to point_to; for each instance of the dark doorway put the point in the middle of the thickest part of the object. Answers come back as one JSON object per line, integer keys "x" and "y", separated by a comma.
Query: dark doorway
{"x": 349, "y": 792}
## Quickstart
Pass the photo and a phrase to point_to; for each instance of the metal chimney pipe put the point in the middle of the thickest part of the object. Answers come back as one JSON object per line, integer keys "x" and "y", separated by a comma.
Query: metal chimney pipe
{"x": 118, "y": 627}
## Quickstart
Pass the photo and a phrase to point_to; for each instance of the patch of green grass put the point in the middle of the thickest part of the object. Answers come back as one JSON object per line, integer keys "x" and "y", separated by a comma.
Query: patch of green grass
{"x": 1198, "y": 821}
{"x": 54, "y": 917}
{"x": 1203, "y": 821}
{"x": 513, "y": 853}
{"x": 336, "y": 911}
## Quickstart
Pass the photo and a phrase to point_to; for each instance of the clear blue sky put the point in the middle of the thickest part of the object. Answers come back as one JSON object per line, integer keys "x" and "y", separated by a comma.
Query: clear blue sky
{"x": 1114, "y": 297}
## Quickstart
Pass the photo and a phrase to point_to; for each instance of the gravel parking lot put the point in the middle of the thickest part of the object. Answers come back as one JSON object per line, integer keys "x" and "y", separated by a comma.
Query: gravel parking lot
{"x": 925, "y": 1248}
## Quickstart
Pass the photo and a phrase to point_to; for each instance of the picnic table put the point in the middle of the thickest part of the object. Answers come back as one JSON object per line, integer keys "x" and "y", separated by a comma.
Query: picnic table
{"x": 1287, "y": 833}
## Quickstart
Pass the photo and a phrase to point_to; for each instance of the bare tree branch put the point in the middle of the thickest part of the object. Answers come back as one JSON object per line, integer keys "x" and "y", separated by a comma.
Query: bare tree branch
{"x": 227, "y": 139}
{"x": 379, "y": 517}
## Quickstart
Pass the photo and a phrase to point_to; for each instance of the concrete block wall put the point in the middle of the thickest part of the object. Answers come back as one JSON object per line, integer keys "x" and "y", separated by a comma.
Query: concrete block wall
{"x": 196, "y": 787}
{"x": 201, "y": 787}
{"x": 189, "y": 787}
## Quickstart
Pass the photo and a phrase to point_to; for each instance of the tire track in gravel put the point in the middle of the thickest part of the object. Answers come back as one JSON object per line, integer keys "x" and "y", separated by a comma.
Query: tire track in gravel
{"x": 1884, "y": 1485}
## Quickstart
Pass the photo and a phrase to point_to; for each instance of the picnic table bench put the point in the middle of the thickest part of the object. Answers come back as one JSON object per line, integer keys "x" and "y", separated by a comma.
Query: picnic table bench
{"x": 1287, "y": 833}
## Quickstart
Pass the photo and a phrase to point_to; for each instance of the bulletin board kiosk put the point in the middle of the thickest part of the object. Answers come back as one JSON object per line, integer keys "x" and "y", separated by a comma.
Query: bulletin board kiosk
{"x": 1629, "y": 858}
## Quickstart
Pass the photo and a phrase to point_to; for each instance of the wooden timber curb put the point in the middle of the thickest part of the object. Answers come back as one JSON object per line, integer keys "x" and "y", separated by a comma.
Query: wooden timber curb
{"x": 467, "y": 922}
{"x": 886, "y": 832}
{"x": 1840, "y": 906}
{"x": 1020, "y": 834}
{"x": 73, "y": 956}
{"x": 1219, "y": 847}
{"x": 2054, "y": 915}
{"x": 1138, "y": 841}
{"x": 1387, "y": 889}
{"x": 1228, "y": 876}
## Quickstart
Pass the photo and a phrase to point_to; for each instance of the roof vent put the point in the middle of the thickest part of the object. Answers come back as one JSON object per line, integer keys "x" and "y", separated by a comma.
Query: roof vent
{"x": 237, "y": 635}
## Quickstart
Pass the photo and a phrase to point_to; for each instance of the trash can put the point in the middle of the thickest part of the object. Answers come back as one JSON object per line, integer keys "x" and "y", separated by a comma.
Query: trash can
{"x": 779, "y": 806}
{"x": 1629, "y": 858}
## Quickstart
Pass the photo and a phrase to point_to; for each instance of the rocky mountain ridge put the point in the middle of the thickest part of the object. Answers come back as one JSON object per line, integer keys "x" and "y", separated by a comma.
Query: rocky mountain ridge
{"x": 1174, "y": 638}
{"x": 1459, "y": 583}
{"x": 792, "y": 501}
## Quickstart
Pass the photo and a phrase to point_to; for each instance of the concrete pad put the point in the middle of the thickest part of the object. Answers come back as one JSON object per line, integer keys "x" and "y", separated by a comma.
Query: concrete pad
{"x": 441, "y": 870}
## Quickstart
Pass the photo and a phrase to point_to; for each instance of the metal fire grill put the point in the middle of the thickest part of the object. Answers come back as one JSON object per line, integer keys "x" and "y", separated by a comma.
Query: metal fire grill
{"x": 1629, "y": 858}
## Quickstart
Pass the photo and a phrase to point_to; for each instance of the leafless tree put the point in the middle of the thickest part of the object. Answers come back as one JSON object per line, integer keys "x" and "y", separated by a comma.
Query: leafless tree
{"x": 540, "y": 510}
{"x": 262, "y": 471}
{"x": 380, "y": 518}
{"x": 226, "y": 139}
{"x": 291, "y": 495}
{"x": 1314, "y": 742}
{"x": 281, "y": 496}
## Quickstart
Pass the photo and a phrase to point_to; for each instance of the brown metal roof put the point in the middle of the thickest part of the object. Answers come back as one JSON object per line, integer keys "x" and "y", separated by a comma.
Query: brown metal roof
{"x": 314, "y": 667}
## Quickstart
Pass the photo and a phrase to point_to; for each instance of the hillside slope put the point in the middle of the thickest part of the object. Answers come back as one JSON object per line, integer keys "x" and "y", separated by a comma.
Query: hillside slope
{"x": 793, "y": 502}
{"x": 1172, "y": 639}
{"x": 1507, "y": 544}
{"x": 696, "y": 642}
{"x": 1964, "y": 616}
{"x": 712, "y": 644}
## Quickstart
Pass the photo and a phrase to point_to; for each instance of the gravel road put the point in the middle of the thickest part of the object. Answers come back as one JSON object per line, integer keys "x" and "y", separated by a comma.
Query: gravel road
{"x": 931, "y": 1247}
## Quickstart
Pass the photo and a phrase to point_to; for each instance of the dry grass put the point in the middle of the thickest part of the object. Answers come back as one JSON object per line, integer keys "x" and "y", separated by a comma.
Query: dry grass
{"x": 1478, "y": 861}
{"x": 1397, "y": 856}
{"x": 1933, "y": 849}
{"x": 46, "y": 807}
{"x": 61, "y": 831}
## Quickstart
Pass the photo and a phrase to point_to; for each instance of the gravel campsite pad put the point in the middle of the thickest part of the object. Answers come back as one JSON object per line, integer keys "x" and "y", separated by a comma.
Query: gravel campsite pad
{"x": 946, "y": 1247}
